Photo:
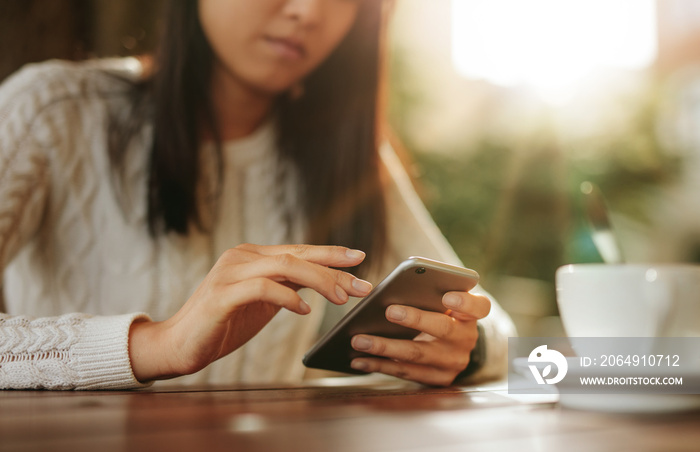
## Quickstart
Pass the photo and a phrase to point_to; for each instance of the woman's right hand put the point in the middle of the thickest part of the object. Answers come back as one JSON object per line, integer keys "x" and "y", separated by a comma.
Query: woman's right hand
{"x": 246, "y": 287}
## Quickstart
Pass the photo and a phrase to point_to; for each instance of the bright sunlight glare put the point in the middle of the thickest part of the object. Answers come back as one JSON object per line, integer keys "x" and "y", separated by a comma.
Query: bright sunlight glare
{"x": 551, "y": 45}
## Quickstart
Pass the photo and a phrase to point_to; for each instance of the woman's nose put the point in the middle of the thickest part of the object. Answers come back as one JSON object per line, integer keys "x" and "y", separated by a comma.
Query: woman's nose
{"x": 307, "y": 12}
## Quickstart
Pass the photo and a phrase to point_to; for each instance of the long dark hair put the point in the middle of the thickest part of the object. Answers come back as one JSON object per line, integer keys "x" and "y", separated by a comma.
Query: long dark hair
{"x": 330, "y": 133}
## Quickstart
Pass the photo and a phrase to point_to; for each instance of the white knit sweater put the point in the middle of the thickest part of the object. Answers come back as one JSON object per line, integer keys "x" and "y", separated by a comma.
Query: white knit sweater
{"x": 69, "y": 243}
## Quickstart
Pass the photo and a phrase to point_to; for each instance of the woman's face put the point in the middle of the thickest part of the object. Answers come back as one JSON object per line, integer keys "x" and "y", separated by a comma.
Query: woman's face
{"x": 270, "y": 45}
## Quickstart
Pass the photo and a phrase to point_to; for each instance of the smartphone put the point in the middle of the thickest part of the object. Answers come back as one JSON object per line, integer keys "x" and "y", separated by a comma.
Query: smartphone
{"x": 417, "y": 282}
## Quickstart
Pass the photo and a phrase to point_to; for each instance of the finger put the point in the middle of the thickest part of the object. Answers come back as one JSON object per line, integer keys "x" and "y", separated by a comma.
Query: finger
{"x": 428, "y": 353}
{"x": 437, "y": 324}
{"x": 465, "y": 305}
{"x": 262, "y": 290}
{"x": 333, "y": 284}
{"x": 415, "y": 372}
{"x": 329, "y": 256}
{"x": 247, "y": 253}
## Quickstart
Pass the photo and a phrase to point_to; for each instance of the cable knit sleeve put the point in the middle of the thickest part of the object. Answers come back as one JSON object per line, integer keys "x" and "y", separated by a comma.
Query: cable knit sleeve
{"x": 412, "y": 232}
{"x": 74, "y": 351}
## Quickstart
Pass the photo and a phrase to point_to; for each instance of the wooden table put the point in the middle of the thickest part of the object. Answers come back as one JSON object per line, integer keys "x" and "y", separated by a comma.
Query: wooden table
{"x": 376, "y": 416}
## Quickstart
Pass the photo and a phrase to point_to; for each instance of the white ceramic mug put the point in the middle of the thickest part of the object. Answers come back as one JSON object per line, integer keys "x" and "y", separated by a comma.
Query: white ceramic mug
{"x": 637, "y": 301}
{"x": 629, "y": 300}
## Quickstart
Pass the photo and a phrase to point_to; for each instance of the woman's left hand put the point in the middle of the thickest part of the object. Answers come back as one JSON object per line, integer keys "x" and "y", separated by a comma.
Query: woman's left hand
{"x": 439, "y": 353}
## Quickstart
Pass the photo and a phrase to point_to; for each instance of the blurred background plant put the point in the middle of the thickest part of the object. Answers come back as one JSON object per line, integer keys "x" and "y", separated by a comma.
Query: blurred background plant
{"x": 502, "y": 133}
{"x": 502, "y": 108}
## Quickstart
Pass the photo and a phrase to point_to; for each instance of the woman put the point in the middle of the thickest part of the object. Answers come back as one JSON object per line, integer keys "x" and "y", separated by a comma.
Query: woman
{"x": 124, "y": 192}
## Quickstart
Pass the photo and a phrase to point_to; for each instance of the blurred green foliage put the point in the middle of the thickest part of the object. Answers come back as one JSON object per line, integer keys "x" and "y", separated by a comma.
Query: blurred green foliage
{"x": 514, "y": 209}
{"x": 501, "y": 212}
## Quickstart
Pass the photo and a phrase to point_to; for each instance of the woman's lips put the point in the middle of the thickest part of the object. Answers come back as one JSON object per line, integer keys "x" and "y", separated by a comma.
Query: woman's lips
{"x": 287, "y": 48}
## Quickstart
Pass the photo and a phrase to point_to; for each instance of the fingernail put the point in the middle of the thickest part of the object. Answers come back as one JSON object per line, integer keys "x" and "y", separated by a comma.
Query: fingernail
{"x": 396, "y": 313}
{"x": 361, "y": 285}
{"x": 304, "y": 308}
{"x": 361, "y": 343}
{"x": 359, "y": 365}
{"x": 355, "y": 254}
{"x": 452, "y": 300}
{"x": 341, "y": 293}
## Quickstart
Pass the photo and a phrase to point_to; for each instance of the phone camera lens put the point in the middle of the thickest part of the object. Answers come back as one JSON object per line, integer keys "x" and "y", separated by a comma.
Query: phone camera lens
{"x": 420, "y": 270}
